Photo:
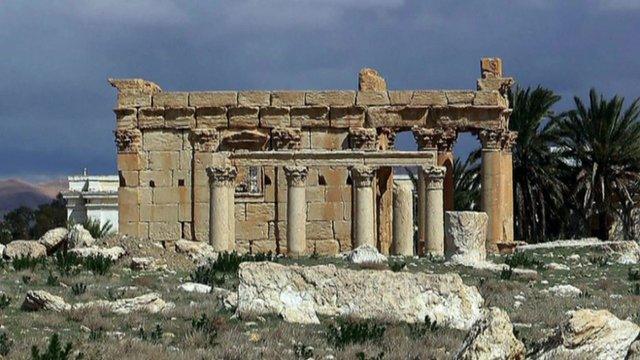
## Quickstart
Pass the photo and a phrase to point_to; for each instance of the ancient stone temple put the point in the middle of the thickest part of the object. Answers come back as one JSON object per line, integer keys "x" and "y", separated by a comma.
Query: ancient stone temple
{"x": 306, "y": 171}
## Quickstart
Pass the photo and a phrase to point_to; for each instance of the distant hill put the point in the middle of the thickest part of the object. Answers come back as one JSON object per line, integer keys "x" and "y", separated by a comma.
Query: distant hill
{"x": 15, "y": 193}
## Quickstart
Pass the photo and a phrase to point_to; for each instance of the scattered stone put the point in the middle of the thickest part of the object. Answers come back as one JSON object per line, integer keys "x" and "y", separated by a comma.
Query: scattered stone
{"x": 196, "y": 250}
{"x": 113, "y": 253}
{"x": 491, "y": 337}
{"x": 23, "y": 248}
{"x": 465, "y": 236}
{"x": 574, "y": 257}
{"x": 80, "y": 237}
{"x": 151, "y": 303}
{"x": 366, "y": 254}
{"x": 36, "y": 300}
{"x": 143, "y": 263}
{"x": 54, "y": 238}
{"x": 370, "y": 80}
{"x": 299, "y": 294}
{"x": 527, "y": 274}
{"x": 591, "y": 334}
{"x": 624, "y": 252}
{"x": 556, "y": 266}
{"x": 195, "y": 287}
{"x": 564, "y": 291}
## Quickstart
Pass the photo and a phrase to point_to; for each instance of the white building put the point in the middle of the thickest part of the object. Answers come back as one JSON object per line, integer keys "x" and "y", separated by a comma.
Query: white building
{"x": 93, "y": 196}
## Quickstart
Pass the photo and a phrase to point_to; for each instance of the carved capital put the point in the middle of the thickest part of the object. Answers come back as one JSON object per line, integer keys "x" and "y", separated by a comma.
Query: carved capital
{"x": 388, "y": 135}
{"x": 129, "y": 140}
{"x": 498, "y": 139}
{"x": 286, "y": 138}
{"x": 434, "y": 177}
{"x": 363, "y": 138}
{"x": 205, "y": 140}
{"x": 362, "y": 175}
{"x": 296, "y": 175}
{"x": 222, "y": 176}
{"x": 426, "y": 138}
{"x": 446, "y": 138}
{"x": 509, "y": 139}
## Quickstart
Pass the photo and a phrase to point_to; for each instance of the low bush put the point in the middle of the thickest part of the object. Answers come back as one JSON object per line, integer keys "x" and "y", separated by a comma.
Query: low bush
{"x": 27, "y": 262}
{"x": 67, "y": 263}
{"x": 5, "y": 301}
{"x": 302, "y": 351}
{"x": 396, "y": 266}
{"x": 506, "y": 273}
{"x": 523, "y": 260}
{"x": 78, "y": 289}
{"x": 213, "y": 273}
{"x": 345, "y": 332}
{"x": 54, "y": 351}
{"x": 52, "y": 280}
{"x": 207, "y": 326}
{"x": 154, "y": 336}
{"x": 598, "y": 260}
{"x": 5, "y": 344}
{"x": 96, "y": 229}
{"x": 633, "y": 275}
{"x": 97, "y": 264}
{"x": 419, "y": 330}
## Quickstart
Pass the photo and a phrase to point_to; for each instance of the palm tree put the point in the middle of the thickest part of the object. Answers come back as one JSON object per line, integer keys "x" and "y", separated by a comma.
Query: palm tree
{"x": 466, "y": 184}
{"x": 603, "y": 143}
{"x": 537, "y": 186}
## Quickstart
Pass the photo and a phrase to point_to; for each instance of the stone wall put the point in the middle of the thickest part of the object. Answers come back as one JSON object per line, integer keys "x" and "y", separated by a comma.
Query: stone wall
{"x": 166, "y": 140}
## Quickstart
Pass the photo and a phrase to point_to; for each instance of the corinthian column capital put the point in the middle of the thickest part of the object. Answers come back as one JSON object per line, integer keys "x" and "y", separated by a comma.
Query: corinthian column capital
{"x": 296, "y": 175}
{"x": 205, "y": 140}
{"x": 221, "y": 176}
{"x": 434, "y": 176}
{"x": 363, "y": 175}
{"x": 128, "y": 140}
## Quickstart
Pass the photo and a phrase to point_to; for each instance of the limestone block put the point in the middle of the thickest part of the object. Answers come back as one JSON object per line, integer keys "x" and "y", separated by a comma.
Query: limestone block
{"x": 400, "y": 97}
{"x": 186, "y": 160}
{"x": 164, "y": 160}
{"x": 151, "y": 118}
{"x": 287, "y": 98}
{"x": 396, "y": 116}
{"x": 338, "y": 193}
{"x": 243, "y": 117}
{"x": 333, "y": 176}
{"x": 331, "y": 98}
{"x": 346, "y": 210}
{"x": 251, "y": 230}
{"x": 128, "y": 178}
{"x": 171, "y": 99}
{"x": 346, "y": 116}
{"x": 263, "y": 246}
{"x": 129, "y": 212}
{"x": 181, "y": 179}
{"x": 329, "y": 139}
{"x": 486, "y": 98}
{"x": 319, "y": 230}
{"x": 372, "y": 98}
{"x": 126, "y": 118}
{"x": 370, "y": 80}
{"x": 240, "y": 211}
{"x": 491, "y": 337}
{"x": 314, "y": 194}
{"x": 465, "y": 236}
{"x": 366, "y": 254}
{"x": 184, "y": 211}
{"x": 459, "y": 97}
{"x": 128, "y": 196}
{"x": 162, "y": 140}
{"x": 498, "y": 84}
{"x": 342, "y": 229}
{"x": 211, "y": 117}
{"x": 166, "y": 195}
{"x": 324, "y": 211}
{"x": 127, "y": 227}
{"x": 429, "y": 98}
{"x": 159, "y": 213}
{"x": 260, "y": 212}
{"x": 36, "y": 300}
{"x": 274, "y": 117}
{"x": 53, "y": 239}
{"x": 201, "y": 194}
{"x": 213, "y": 98}
{"x": 155, "y": 178}
{"x": 491, "y": 67}
{"x": 254, "y": 98}
{"x": 309, "y": 116}
{"x": 132, "y": 162}
{"x": 133, "y": 98}
{"x": 180, "y": 118}
{"x": 165, "y": 230}
{"x": 305, "y": 138}
{"x": 326, "y": 247}
{"x": 302, "y": 293}
{"x": 23, "y": 248}
{"x": 145, "y": 195}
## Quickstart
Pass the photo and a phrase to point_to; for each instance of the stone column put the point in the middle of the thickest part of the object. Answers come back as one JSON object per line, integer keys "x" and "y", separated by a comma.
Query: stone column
{"x": 434, "y": 182}
{"x": 491, "y": 186}
{"x": 220, "y": 179}
{"x": 232, "y": 216}
{"x": 508, "y": 140}
{"x": 296, "y": 210}
{"x": 403, "y": 219}
{"x": 426, "y": 138}
{"x": 446, "y": 139}
{"x": 364, "y": 233}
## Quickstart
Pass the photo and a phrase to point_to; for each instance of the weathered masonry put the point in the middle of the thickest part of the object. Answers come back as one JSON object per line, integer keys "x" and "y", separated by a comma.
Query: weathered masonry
{"x": 306, "y": 171}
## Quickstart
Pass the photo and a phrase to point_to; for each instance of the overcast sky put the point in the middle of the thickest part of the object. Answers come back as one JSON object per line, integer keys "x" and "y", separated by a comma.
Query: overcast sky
{"x": 55, "y": 103}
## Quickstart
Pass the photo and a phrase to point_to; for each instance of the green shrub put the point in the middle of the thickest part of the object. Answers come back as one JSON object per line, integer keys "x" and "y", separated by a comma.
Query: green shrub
{"x": 419, "y": 330}
{"x": 97, "y": 230}
{"x": 506, "y": 273}
{"x": 635, "y": 289}
{"x": 206, "y": 326}
{"x": 78, "y": 289}
{"x": 523, "y": 260}
{"x": 154, "y": 336}
{"x": 67, "y": 263}
{"x": 633, "y": 275}
{"x": 5, "y": 344}
{"x": 362, "y": 356}
{"x": 96, "y": 334}
{"x": 302, "y": 351}
{"x": 27, "y": 262}
{"x": 98, "y": 264}
{"x": 4, "y": 301}
{"x": 598, "y": 260}
{"x": 52, "y": 280}
{"x": 396, "y": 266}
{"x": 213, "y": 273}
{"x": 345, "y": 332}
{"x": 54, "y": 351}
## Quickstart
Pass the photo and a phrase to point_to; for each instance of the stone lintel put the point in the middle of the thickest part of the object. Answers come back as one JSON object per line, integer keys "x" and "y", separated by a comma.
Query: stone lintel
{"x": 344, "y": 158}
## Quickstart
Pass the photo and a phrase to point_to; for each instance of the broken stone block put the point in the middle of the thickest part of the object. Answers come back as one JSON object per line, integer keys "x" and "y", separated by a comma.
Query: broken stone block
{"x": 243, "y": 117}
{"x": 461, "y": 97}
{"x": 211, "y": 117}
{"x": 42, "y": 300}
{"x": 346, "y": 116}
{"x": 180, "y": 118}
{"x": 151, "y": 118}
{"x": 274, "y": 116}
{"x": 465, "y": 236}
{"x": 396, "y": 116}
{"x": 491, "y": 337}
{"x": 370, "y": 80}
{"x": 24, "y": 248}
{"x": 310, "y": 116}
{"x": 429, "y": 98}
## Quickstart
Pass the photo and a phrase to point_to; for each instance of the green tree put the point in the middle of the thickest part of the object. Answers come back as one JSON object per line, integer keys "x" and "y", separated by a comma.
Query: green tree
{"x": 602, "y": 142}
{"x": 19, "y": 222}
{"x": 537, "y": 186}
{"x": 49, "y": 216}
{"x": 466, "y": 184}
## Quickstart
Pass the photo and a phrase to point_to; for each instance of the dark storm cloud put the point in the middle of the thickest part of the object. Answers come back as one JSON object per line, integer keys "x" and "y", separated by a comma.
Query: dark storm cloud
{"x": 55, "y": 104}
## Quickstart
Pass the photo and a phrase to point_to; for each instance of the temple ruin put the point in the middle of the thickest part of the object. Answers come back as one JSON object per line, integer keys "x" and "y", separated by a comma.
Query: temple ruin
{"x": 300, "y": 172}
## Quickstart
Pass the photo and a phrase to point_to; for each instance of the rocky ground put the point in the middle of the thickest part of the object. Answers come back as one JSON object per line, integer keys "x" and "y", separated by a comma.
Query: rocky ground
{"x": 139, "y": 307}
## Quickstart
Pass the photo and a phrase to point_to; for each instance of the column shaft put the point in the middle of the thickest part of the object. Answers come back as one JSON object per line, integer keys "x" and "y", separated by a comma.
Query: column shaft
{"x": 232, "y": 217}
{"x": 296, "y": 210}
{"x": 403, "y": 219}
{"x": 491, "y": 199}
{"x": 220, "y": 179}
{"x": 422, "y": 213}
{"x": 364, "y": 233}
{"x": 445, "y": 158}
{"x": 435, "y": 210}
{"x": 507, "y": 181}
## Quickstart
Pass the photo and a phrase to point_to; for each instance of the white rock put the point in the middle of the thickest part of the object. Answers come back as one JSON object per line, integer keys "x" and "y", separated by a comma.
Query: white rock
{"x": 497, "y": 268}
{"x": 574, "y": 257}
{"x": 565, "y": 290}
{"x": 196, "y": 250}
{"x": 42, "y": 300}
{"x": 366, "y": 254}
{"x": 591, "y": 334}
{"x": 491, "y": 338}
{"x": 195, "y": 287}
{"x": 143, "y": 263}
{"x": 465, "y": 236}
{"x": 113, "y": 253}
{"x": 54, "y": 238}
{"x": 2, "y": 247}
{"x": 23, "y": 248}
{"x": 151, "y": 303}
{"x": 300, "y": 294}
{"x": 79, "y": 237}
{"x": 557, "y": 266}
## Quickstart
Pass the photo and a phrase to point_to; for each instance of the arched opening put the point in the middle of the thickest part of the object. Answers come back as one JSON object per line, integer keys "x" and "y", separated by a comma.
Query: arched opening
{"x": 466, "y": 173}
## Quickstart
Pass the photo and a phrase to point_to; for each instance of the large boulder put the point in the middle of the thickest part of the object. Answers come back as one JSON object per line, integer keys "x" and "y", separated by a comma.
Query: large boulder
{"x": 195, "y": 250}
{"x": 24, "y": 248}
{"x": 492, "y": 338}
{"x": 151, "y": 303}
{"x": 591, "y": 334}
{"x": 80, "y": 237}
{"x": 465, "y": 234}
{"x": 42, "y": 300}
{"x": 366, "y": 254}
{"x": 299, "y": 294}
{"x": 114, "y": 253}
{"x": 54, "y": 238}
